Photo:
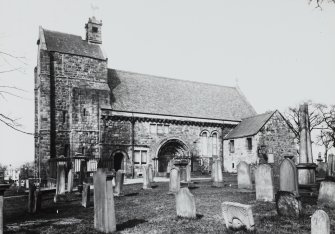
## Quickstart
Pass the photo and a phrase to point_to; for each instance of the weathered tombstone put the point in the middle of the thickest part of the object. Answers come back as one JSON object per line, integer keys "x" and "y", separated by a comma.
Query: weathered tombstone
{"x": 86, "y": 195}
{"x": 320, "y": 223}
{"x": 37, "y": 201}
{"x": 322, "y": 169}
{"x": 264, "y": 183}
{"x": 327, "y": 193}
{"x": 60, "y": 183}
{"x": 213, "y": 170}
{"x": 119, "y": 179}
{"x": 31, "y": 198}
{"x": 174, "y": 185}
{"x": 3, "y": 187}
{"x": 244, "y": 176}
{"x": 104, "y": 210}
{"x": 185, "y": 204}
{"x": 288, "y": 204}
{"x": 150, "y": 173}
{"x": 218, "y": 180}
{"x": 188, "y": 173}
{"x": 70, "y": 181}
{"x": 330, "y": 160}
{"x": 288, "y": 177}
{"x": 238, "y": 216}
{"x": 146, "y": 181}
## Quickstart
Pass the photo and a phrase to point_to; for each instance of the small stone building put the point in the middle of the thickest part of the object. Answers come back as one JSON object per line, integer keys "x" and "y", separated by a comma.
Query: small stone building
{"x": 264, "y": 138}
{"x": 82, "y": 107}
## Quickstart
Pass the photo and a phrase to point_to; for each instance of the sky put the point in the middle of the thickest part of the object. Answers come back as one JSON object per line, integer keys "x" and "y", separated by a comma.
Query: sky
{"x": 280, "y": 52}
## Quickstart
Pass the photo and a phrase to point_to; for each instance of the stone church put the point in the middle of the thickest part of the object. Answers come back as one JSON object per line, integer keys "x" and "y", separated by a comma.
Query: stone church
{"x": 82, "y": 107}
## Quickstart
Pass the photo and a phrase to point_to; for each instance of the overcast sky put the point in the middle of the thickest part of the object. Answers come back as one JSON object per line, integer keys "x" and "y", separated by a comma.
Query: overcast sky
{"x": 279, "y": 52}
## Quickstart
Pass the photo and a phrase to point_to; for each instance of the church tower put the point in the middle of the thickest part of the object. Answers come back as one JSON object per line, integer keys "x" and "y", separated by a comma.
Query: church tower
{"x": 93, "y": 31}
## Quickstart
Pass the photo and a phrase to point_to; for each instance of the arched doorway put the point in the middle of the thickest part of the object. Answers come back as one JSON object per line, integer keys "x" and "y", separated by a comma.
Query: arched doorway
{"x": 119, "y": 158}
{"x": 168, "y": 150}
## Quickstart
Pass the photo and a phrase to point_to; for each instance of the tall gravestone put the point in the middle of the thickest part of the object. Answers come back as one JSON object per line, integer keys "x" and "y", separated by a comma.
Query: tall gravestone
{"x": 174, "y": 185}
{"x": 86, "y": 195}
{"x": 188, "y": 173}
{"x": 306, "y": 167}
{"x": 213, "y": 171}
{"x": 244, "y": 176}
{"x": 322, "y": 169}
{"x": 146, "y": 180}
{"x": 327, "y": 193}
{"x": 31, "y": 198}
{"x": 60, "y": 182}
{"x": 264, "y": 183}
{"x": 330, "y": 163}
{"x": 185, "y": 204}
{"x": 320, "y": 223}
{"x": 218, "y": 180}
{"x": 119, "y": 179}
{"x": 288, "y": 177}
{"x": 104, "y": 210}
{"x": 70, "y": 180}
{"x": 150, "y": 173}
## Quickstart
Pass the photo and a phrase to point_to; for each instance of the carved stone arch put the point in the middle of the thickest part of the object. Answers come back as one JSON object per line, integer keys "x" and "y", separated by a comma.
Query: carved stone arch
{"x": 119, "y": 158}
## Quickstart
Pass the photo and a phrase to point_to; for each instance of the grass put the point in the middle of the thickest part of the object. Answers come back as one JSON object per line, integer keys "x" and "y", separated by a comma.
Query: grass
{"x": 153, "y": 211}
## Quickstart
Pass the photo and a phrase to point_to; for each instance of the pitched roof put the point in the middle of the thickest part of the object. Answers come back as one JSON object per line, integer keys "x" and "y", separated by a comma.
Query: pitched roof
{"x": 250, "y": 126}
{"x": 71, "y": 44}
{"x": 135, "y": 92}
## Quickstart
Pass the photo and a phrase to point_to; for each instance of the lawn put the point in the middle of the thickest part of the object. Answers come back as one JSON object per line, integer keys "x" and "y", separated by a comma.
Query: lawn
{"x": 153, "y": 211}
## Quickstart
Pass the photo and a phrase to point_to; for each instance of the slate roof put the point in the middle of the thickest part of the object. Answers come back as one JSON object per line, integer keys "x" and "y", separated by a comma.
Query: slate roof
{"x": 250, "y": 126}
{"x": 71, "y": 44}
{"x": 140, "y": 93}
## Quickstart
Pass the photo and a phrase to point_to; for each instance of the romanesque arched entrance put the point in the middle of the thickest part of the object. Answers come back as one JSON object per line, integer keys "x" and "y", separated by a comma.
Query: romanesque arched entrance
{"x": 119, "y": 159}
{"x": 167, "y": 151}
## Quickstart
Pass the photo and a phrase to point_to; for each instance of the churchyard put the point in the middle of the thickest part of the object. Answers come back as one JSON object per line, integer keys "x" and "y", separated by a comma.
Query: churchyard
{"x": 154, "y": 210}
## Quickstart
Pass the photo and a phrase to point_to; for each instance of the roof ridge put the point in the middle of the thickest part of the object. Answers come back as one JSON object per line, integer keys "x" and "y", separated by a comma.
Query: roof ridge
{"x": 175, "y": 79}
{"x": 265, "y": 113}
{"x": 44, "y": 29}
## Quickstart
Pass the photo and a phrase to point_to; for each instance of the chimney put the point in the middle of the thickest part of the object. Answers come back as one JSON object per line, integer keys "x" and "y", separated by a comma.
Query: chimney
{"x": 93, "y": 31}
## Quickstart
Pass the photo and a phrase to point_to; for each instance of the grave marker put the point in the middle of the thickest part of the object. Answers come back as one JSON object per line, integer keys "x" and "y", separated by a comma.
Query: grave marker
{"x": 320, "y": 223}
{"x": 150, "y": 173}
{"x": 238, "y": 216}
{"x": 218, "y": 174}
{"x": 264, "y": 183}
{"x": 327, "y": 193}
{"x": 86, "y": 195}
{"x": 70, "y": 181}
{"x": 60, "y": 182}
{"x": 244, "y": 176}
{"x": 288, "y": 177}
{"x": 146, "y": 181}
{"x": 185, "y": 204}
{"x": 174, "y": 185}
{"x": 119, "y": 179}
{"x": 288, "y": 204}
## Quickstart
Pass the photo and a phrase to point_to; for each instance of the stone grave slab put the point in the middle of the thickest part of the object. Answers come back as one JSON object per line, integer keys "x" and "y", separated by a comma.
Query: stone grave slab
{"x": 185, "y": 204}
{"x": 238, "y": 216}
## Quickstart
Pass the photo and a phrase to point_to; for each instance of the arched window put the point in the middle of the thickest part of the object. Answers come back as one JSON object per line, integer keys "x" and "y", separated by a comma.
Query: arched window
{"x": 214, "y": 144}
{"x": 204, "y": 143}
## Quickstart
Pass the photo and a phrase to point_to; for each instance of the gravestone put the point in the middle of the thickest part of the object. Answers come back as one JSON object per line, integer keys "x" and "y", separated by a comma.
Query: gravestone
{"x": 150, "y": 173}
{"x": 320, "y": 223}
{"x": 104, "y": 210}
{"x": 185, "y": 204}
{"x": 288, "y": 177}
{"x": 218, "y": 180}
{"x": 188, "y": 173}
{"x": 322, "y": 169}
{"x": 213, "y": 171}
{"x": 119, "y": 179}
{"x": 244, "y": 176}
{"x": 86, "y": 195}
{"x": 146, "y": 181}
{"x": 174, "y": 185}
{"x": 31, "y": 198}
{"x": 330, "y": 163}
{"x": 60, "y": 182}
{"x": 238, "y": 216}
{"x": 264, "y": 183}
{"x": 37, "y": 201}
{"x": 288, "y": 204}
{"x": 70, "y": 181}
{"x": 327, "y": 193}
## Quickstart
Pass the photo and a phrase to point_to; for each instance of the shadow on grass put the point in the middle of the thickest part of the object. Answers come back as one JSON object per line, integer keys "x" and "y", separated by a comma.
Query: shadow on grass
{"x": 131, "y": 194}
{"x": 193, "y": 187}
{"x": 129, "y": 224}
{"x": 154, "y": 186}
{"x": 199, "y": 216}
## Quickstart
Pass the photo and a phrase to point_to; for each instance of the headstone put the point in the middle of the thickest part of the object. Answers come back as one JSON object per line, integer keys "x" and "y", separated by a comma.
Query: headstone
{"x": 330, "y": 163}
{"x": 288, "y": 177}
{"x": 60, "y": 183}
{"x": 86, "y": 195}
{"x": 70, "y": 181}
{"x": 264, "y": 183}
{"x": 218, "y": 180}
{"x": 320, "y": 223}
{"x": 238, "y": 216}
{"x": 37, "y": 201}
{"x": 185, "y": 204}
{"x": 188, "y": 173}
{"x": 327, "y": 193}
{"x": 31, "y": 198}
{"x": 322, "y": 169}
{"x": 244, "y": 176}
{"x": 1, "y": 212}
{"x": 119, "y": 179}
{"x": 288, "y": 204}
{"x": 146, "y": 181}
{"x": 213, "y": 170}
{"x": 174, "y": 185}
{"x": 104, "y": 210}
{"x": 150, "y": 173}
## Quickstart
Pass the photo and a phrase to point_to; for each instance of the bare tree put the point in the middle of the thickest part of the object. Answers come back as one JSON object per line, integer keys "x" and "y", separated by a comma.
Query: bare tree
{"x": 328, "y": 116}
{"x": 324, "y": 139}
{"x": 10, "y": 63}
